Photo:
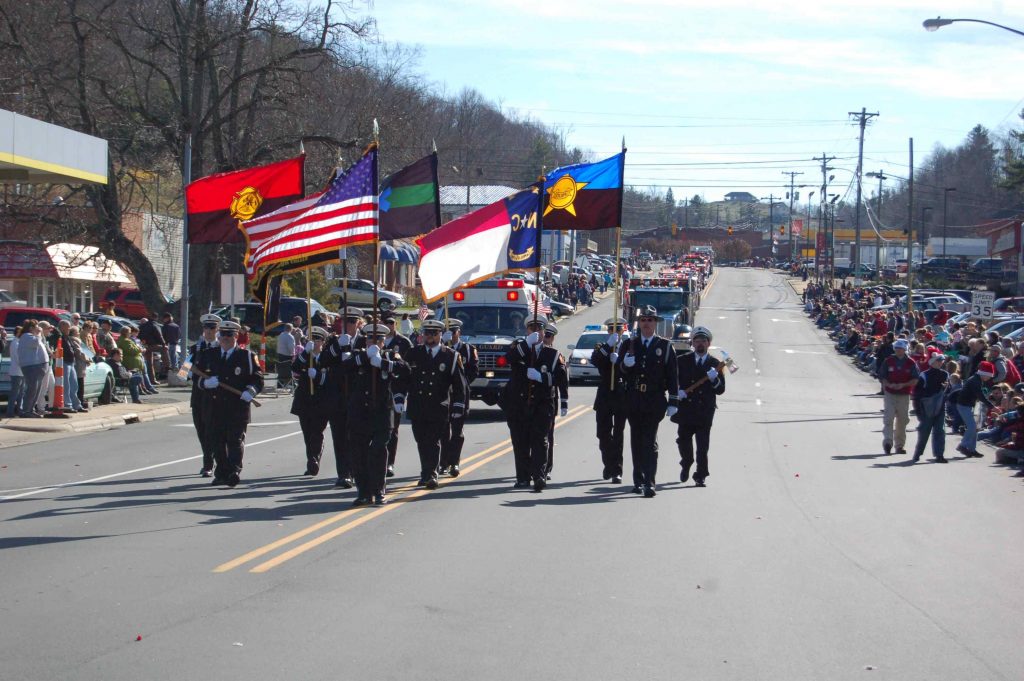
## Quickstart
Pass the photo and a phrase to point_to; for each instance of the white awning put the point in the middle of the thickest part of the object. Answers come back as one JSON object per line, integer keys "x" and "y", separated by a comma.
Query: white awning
{"x": 74, "y": 261}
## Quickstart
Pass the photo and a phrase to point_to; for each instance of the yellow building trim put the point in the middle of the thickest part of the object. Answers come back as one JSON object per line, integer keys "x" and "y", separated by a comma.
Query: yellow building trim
{"x": 54, "y": 168}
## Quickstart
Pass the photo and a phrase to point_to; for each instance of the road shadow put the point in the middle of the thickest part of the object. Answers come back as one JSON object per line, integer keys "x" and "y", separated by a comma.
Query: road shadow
{"x": 855, "y": 457}
{"x": 23, "y": 542}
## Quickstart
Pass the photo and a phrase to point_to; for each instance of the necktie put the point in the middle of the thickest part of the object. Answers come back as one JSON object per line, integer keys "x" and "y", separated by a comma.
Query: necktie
{"x": 224, "y": 356}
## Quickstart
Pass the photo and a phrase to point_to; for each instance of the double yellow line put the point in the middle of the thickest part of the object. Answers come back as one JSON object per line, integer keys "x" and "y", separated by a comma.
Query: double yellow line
{"x": 399, "y": 496}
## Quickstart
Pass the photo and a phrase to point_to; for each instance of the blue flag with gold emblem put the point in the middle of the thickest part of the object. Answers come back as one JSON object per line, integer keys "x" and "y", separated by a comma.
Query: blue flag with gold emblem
{"x": 585, "y": 196}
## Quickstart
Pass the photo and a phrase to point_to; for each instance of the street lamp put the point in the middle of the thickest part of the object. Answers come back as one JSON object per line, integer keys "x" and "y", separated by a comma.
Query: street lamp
{"x": 935, "y": 24}
{"x": 922, "y": 233}
{"x": 945, "y": 218}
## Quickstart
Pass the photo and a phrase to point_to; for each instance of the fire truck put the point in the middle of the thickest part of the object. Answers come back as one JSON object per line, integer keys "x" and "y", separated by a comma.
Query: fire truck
{"x": 494, "y": 312}
{"x": 676, "y": 297}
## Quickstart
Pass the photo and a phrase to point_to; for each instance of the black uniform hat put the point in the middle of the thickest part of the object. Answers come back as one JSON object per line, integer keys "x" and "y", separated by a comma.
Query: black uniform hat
{"x": 647, "y": 311}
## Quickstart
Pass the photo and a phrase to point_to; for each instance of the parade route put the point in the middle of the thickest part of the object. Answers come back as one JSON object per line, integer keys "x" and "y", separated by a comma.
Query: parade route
{"x": 810, "y": 555}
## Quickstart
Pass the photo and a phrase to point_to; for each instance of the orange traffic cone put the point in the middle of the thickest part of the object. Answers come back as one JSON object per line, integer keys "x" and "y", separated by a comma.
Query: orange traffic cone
{"x": 57, "y": 408}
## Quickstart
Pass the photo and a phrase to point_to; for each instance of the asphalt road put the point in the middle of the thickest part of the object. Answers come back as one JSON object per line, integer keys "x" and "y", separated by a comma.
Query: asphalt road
{"x": 810, "y": 555}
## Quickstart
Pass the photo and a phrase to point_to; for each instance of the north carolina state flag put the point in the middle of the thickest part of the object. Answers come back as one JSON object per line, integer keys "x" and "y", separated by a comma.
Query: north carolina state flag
{"x": 216, "y": 204}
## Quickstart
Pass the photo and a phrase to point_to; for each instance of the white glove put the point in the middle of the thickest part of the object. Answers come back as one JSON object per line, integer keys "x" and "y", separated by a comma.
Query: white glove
{"x": 374, "y": 359}
{"x": 311, "y": 371}
{"x": 613, "y": 340}
{"x": 399, "y": 407}
{"x": 457, "y": 413}
{"x": 682, "y": 394}
{"x": 565, "y": 408}
{"x": 629, "y": 361}
{"x": 346, "y": 356}
{"x": 446, "y": 336}
{"x": 712, "y": 374}
{"x": 671, "y": 411}
{"x": 614, "y": 357}
{"x": 533, "y": 375}
{"x": 246, "y": 396}
{"x": 533, "y": 339}
{"x": 625, "y": 335}
{"x": 344, "y": 339}
{"x": 309, "y": 347}
{"x": 211, "y": 382}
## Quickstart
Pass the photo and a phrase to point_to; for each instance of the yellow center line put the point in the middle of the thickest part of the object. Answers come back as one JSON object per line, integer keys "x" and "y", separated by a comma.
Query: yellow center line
{"x": 327, "y": 536}
{"x": 396, "y": 492}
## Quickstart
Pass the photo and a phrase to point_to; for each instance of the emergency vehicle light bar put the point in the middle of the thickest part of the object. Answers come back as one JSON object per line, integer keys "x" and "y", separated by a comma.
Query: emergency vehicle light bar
{"x": 510, "y": 283}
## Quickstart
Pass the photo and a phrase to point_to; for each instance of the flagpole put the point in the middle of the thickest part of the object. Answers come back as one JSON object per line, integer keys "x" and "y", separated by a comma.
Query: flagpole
{"x": 618, "y": 266}
{"x": 186, "y": 178}
{"x": 376, "y": 243}
{"x": 309, "y": 325}
{"x": 539, "y": 240}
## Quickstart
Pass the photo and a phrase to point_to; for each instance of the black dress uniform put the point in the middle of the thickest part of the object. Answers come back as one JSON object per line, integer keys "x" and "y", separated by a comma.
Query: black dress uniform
{"x": 652, "y": 375}
{"x": 696, "y": 412}
{"x": 610, "y": 405}
{"x": 315, "y": 407}
{"x": 451, "y": 451}
{"x": 529, "y": 407}
{"x": 371, "y": 415}
{"x": 338, "y": 382}
{"x": 559, "y": 401}
{"x": 228, "y": 415}
{"x": 197, "y": 401}
{"x": 436, "y": 395}
{"x": 402, "y": 345}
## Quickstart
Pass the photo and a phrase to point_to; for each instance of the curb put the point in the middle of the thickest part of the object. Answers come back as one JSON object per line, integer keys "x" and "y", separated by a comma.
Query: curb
{"x": 103, "y": 422}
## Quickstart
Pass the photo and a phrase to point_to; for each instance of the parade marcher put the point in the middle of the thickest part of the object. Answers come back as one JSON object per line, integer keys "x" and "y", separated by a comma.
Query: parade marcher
{"x": 898, "y": 374}
{"x": 451, "y": 452}
{"x": 526, "y": 402}
{"x": 315, "y": 397}
{"x": 700, "y": 384}
{"x": 610, "y": 402}
{"x": 652, "y": 385}
{"x": 377, "y": 381}
{"x": 229, "y": 413}
{"x": 199, "y": 398}
{"x": 436, "y": 396}
{"x": 402, "y": 345}
{"x": 930, "y": 409}
{"x": 559, "y": 396}
{"x": 337, "y": 346}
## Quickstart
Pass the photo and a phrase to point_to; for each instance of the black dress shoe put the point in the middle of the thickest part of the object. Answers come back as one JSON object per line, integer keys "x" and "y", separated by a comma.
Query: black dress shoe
{"x": 941, "y": 459}
{"x": 421, "y": 482}
{"x": 431, "y": 483}
{"x": 361, "y": 501}
{"x": 343, "y": 483}
{"x": 205, "y": 472}
{"x": 636, "y": 489}
{"x": 520, "y": 484}
{"x": 649, "y": 492}
{"x": 606, "y": 474}
{"x": 233, "y": 479}
{"x": 312, "y": 467}
{"x": 700, "y": 483}
{"x": 684, "y": 474}
{"x": 616, "y": 479}
{"x": 454, "y": 471}
{"x": 901, "y": 450}
{"x": 380, "y": 500}
{"x": 218, "y": 481}
{"x": 391, "y": 472}
{"x": 539, "y": 484}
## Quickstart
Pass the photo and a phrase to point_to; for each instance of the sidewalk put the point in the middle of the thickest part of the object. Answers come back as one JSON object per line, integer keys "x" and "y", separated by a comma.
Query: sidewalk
{"x": 172, "y": 401}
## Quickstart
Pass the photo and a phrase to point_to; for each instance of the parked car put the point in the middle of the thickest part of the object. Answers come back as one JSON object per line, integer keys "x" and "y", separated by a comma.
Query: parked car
{"x": 99, "y": 378}
{"x": 360, "y": 294}
{"x": 950, "y": 302}
{"x": 987, "y": 267}
{"x": 560, "y": 309}
{"x": 127, "y": 302}
{"x": 16, "y": 315}
{"x": 6, "y": 297}
{"x": 1007, "y": 326}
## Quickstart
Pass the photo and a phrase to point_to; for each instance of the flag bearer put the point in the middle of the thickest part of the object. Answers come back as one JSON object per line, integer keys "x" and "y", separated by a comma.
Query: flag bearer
{"x": 313, "y": 367}
{"x": 197, "y": 401}
{"x": 402, "y": 345}
{"x": 559, "y": 395}
{"x": 610, "y": 402}
{"x": 451, "y": 452}
{"x": 337, "y": 417}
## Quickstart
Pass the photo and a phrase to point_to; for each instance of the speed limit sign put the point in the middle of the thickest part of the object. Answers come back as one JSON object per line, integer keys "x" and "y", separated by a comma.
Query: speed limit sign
{"x": 981, "y": 304}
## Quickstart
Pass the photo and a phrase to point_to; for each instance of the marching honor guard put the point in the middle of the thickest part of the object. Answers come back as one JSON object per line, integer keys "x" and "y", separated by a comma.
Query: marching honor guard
{"x": 197, "y": 401}
{"x": 528, "y": 406}
{"x": 316, "y": 396}
{"x": 376, "y": 395}
{"x": 451, "y": 452}
{"x": 649, "y": 365}
{"x": 228, "y": 365}
{"x": 699, "y": 385}
{"x": 559, "y": 395}
{"x": 338, "y": 382}
{"x": 436, "y": 396}
{"x": 402, "y": 345}
{"x": 610, "y": 402}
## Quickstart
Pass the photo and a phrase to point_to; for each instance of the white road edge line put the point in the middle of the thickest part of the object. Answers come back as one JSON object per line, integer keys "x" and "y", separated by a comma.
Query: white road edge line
{"x": 40, "y": 490}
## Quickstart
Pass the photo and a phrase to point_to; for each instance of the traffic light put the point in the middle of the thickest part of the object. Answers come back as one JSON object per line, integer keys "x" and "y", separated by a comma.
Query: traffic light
{"x": 782, "y": 229}
{"x": 730, "y": 230}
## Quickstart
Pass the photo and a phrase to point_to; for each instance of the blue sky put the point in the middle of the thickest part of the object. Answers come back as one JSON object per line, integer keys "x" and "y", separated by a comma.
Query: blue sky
{"x": 725, "y": 96}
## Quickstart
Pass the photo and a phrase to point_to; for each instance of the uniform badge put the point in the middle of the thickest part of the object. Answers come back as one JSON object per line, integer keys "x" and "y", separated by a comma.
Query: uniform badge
{"x": 658, "y": 352}
{"x": 544, "y": 367}
{"x": 442, "y": 366}
{"x": 238, "y": 371}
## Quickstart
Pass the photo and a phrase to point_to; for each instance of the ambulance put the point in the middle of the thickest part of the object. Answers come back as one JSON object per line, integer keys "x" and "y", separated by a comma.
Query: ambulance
{"x": 494, "y": 313}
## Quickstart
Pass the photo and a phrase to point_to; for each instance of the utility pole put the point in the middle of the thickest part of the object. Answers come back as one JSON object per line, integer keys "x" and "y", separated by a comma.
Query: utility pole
{"x": 910, "y": 232}
{"x": 862, "y": 117}
{"x": 771, "y": 215}
{"x": 945, "y": 218}
{"x": 792, "y": 188}
{"x": 686, "y": 211}
{"x": 823, "y": 197}
{"x": 882, "y": 177}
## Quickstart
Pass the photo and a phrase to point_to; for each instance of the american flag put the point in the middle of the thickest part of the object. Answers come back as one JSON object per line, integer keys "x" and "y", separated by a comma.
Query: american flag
{"x": 424, "y": 311}
{"x": 542, "y": 306}
{"x": 344, "y": 214}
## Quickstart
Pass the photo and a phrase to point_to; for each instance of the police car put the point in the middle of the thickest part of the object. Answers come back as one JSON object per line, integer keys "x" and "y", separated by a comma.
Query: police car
{"x": 580, "y": 368}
